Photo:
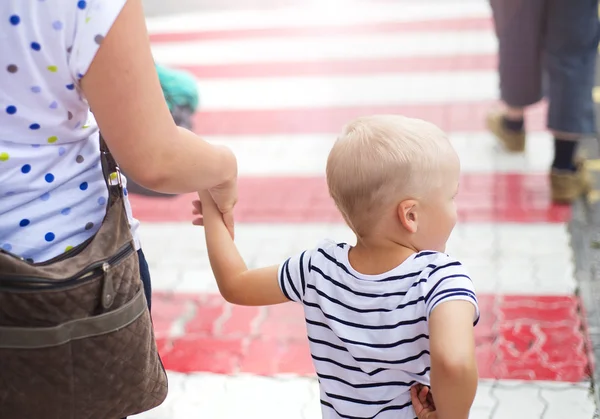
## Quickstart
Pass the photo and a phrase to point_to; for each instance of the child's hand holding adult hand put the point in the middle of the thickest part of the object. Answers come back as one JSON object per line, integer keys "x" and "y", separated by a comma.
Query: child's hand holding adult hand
{"x": 207, "y": 207}
{"x": 225, "y": 195}
{"x": 422, "y": 402}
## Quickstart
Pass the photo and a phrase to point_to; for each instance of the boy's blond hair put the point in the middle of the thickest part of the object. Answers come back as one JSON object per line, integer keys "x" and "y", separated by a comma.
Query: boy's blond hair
{"x": 382, "y": 158}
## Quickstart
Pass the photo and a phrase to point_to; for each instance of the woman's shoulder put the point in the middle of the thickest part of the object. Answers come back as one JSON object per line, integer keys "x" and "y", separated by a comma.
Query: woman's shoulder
{"x": 69, "y": 29}
{"x": 49, "y": 46}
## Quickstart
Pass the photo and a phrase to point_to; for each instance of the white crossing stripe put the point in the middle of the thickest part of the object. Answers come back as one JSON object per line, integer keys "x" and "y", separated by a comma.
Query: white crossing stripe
{"x": 313, "y": 13}
{"x": 204, "y": 395}
{"x": 373, "y": 46}
{"x": 368, "y": 90}
{"x": 306, "y": 155}
{"x": 503, "y": 258}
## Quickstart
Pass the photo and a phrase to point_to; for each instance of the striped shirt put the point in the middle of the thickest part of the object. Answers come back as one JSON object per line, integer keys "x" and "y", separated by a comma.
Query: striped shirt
{"x": 368, "y": 334}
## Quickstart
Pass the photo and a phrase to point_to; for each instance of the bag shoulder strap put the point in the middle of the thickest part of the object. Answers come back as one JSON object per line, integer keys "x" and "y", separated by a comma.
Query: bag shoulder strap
{"x": 110, "y": 171}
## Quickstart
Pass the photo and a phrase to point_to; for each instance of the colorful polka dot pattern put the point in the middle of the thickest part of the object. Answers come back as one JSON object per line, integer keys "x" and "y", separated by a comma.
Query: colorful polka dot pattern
{"x": 52, "y": 192}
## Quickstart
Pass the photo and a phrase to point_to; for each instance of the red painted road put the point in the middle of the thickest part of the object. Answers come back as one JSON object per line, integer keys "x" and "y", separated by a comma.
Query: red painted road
{"x": 451, "y": 117}
{"x": 482, "y": 197}
{"x": 442, "y": 25}
{"x": 518, "y": 337}
{"x": 344, "y": 67}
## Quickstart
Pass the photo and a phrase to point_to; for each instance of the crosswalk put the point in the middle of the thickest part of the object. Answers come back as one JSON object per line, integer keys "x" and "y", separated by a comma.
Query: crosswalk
{"x": 276, "y": 86}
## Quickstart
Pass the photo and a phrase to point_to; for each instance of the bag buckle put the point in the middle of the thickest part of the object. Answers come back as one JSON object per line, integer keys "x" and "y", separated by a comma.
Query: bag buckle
{"x": 119, "y": 180}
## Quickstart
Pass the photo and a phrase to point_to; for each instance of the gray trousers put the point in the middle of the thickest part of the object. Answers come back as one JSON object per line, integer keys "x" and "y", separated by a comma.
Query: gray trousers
{"x": 549, "y": 48}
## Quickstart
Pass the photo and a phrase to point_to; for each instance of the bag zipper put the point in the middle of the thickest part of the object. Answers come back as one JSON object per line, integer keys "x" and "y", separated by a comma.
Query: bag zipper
{"x": 68, "y": 254}
{"x": 89, "y": 272}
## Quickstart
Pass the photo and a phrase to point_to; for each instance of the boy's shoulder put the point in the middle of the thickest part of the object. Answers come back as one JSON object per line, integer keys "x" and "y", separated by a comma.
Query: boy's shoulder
{"x": 427, "y": 261}
{"x": 328, "y": 249}
{"x": 433, "y": 257}
{"x": 435, "y": 264}
{"x": 429, "y": 258}
{"x": 329, "y": 245}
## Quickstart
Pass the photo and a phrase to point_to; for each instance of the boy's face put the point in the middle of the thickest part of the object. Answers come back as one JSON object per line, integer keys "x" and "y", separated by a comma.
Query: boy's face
{"x": 438, "y": 214}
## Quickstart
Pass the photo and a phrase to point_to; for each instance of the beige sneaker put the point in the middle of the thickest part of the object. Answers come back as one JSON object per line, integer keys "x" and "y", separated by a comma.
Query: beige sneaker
{"x": 511, "y": 140}
{"x": 567, "y": 186}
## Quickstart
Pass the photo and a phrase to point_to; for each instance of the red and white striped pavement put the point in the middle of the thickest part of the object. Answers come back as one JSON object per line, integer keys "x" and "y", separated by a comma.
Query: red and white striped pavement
{"x": 276, "y": 86}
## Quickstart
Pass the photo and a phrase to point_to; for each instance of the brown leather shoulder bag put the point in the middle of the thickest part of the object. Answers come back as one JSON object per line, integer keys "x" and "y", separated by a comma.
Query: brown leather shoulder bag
{"x": 76, "y": 336}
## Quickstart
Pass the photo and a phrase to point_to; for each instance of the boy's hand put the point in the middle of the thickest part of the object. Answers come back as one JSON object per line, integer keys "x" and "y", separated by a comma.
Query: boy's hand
{"x": 422, "y": 402}
{"x": 207, "y": 206}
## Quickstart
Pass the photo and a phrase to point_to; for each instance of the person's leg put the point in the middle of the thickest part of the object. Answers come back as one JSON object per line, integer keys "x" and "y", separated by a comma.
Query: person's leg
{"x": 145, "y": 277}
{"x": 519, "y": 29}
{"x": 570, "y": 51}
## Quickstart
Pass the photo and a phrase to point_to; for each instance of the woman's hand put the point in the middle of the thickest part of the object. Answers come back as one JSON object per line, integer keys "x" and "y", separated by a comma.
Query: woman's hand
{"x": 206, "y": 208}
{"x": 225, "y": 195}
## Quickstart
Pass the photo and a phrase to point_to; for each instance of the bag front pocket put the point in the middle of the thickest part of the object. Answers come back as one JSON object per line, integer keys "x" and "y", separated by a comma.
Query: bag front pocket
{"x": 137, "y": 380}
{"x": 93, "y": 368}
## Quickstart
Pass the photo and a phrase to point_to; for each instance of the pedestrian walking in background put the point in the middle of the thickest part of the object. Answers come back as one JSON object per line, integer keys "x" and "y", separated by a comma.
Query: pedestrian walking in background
{"x": 548, "y": 48}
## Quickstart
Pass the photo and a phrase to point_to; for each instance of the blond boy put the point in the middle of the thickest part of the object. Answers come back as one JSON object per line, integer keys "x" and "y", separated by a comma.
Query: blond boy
{"x": 392, "y": 312}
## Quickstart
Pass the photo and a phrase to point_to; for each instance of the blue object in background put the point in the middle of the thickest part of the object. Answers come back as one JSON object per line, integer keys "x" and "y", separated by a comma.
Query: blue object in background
{"x": 179, "y": 87}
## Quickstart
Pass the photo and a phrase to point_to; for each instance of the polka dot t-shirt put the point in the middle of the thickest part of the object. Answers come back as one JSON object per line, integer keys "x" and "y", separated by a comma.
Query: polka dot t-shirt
{"x": 52, "y": 191}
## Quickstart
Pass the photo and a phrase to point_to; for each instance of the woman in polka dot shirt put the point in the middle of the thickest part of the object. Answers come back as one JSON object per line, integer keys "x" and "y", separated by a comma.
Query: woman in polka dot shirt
{"x": 58, "y": 58}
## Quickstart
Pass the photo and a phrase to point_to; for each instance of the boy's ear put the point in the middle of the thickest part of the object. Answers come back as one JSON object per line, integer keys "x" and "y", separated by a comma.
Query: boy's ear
{"x": 408, "y": 215}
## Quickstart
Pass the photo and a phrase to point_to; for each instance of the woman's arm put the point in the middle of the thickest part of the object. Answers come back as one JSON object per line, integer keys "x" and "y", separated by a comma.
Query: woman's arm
{"x": 125, "y": 95}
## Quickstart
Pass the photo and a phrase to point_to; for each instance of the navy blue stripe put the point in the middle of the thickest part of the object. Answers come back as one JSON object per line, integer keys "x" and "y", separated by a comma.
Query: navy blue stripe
{"x": 376, "y": 361}
{"x": 334, "y": 260}
{"x": 282, "y": 280}
{"x": 366, "y": 326}
{"x": 343, "y": 349}
{"x": 346, "y": 367}
{"x": 364, "y": 294}
{"x": 363, "y": 310}
{"x": 449, "y": 290}
{"x": 422, "y": 373}
{"x": 291, "y": 282}
{"x": 369, "y": 345}
{"x": 326, "y": 343}
{"x": 366, "y": 385}
{"x": 439, "y": 268}
{"x": 425, "y": 253}
{"x": 455, "y": 292}
{"x": 302, "y": 279}
{"x": 438, "y": 283}
{"x": 452, "y": 292}
{"x": 396, "y": 362}
{"x": 385, "y": 409}
{"x": 358, "y": 401}
{"x": 345, "y": 269}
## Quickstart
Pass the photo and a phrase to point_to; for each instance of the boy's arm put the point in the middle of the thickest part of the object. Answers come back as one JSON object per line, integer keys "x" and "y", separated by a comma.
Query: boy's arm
{"x": 453, "y": 366}
{"x": 237, "y": 284}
